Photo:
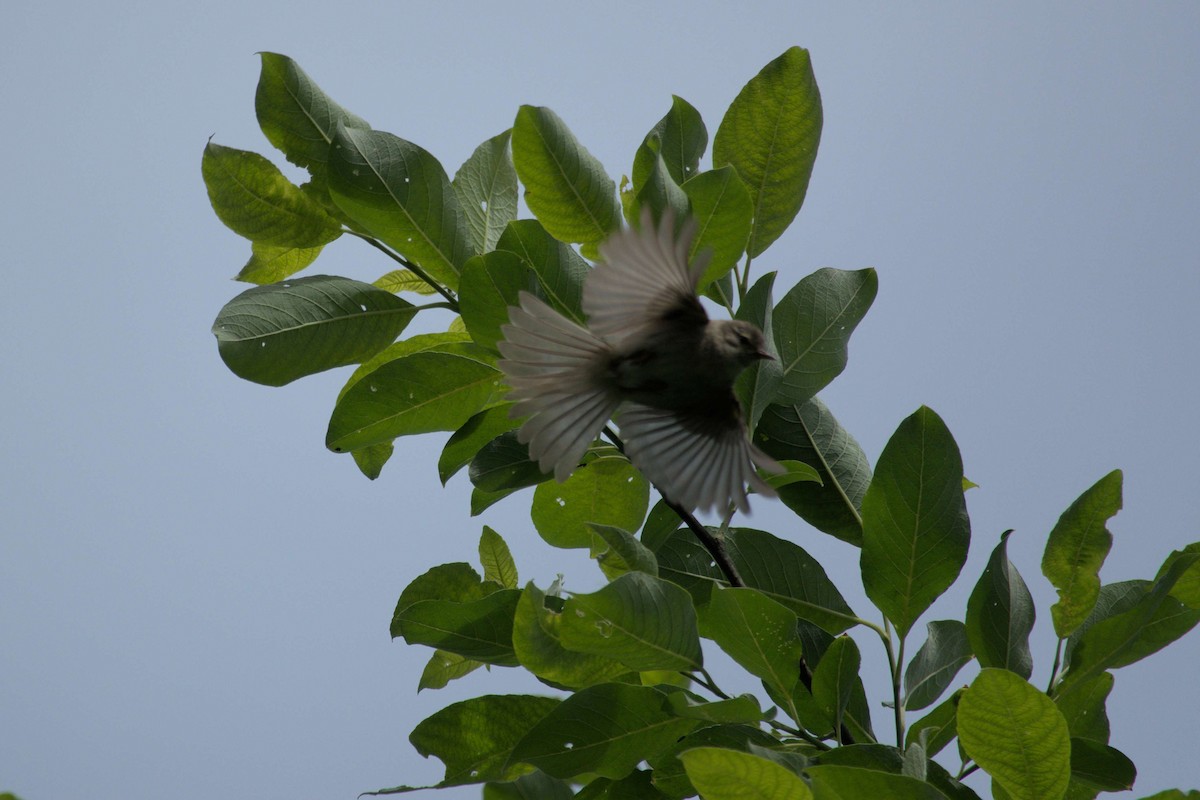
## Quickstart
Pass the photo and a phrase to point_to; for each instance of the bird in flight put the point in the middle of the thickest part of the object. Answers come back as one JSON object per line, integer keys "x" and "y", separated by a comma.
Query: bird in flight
{"x": 650, "y": 356}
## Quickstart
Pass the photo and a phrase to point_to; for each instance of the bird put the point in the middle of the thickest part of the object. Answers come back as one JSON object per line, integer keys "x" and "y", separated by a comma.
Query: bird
{"x": 650, "y": 358}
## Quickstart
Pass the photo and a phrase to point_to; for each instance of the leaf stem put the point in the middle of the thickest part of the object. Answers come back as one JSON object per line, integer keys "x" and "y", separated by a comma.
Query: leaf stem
{"x": 404, "y": 262}
{"x": 714, "y": 546}
{"x": 1058, "y": 651}
{"x": 895, "y": 660}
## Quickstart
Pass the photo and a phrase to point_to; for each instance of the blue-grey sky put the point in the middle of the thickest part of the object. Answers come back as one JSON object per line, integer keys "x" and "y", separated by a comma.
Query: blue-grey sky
{"x": 194, "y": 594}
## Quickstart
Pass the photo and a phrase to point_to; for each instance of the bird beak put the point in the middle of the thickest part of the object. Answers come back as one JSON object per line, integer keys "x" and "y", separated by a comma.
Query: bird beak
{"x": 764, "y": 354}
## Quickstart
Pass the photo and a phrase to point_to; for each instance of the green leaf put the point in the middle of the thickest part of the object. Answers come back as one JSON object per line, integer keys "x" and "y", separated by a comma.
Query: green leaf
{"x": 669, "y": 775}
{"x": 253, "y": 198}
{"x": 659, "y": 193}
{"x": 559, "y": 270}
{"x": 720, "y": 774}
{"x": 1000, "y": 615}
{"x": 536, "y": 641}
{"x": 793, "y": 472}
{"x": 457, "y": 581}
{"x": 457, "y": 343}
{"x": 770, "y": 135}
{"x": 403, "y": 280}
{"x": 1084, "y": 709}
{"x": 741, "y": 709}
{"x": 756, "y": 632}
{"x": 661, "y": 522}
{"x": 443, "y": 667}
{"x": 835, "y": 781}
{"x": 296, "y": 116}
{"x": 606, "y": 729}
{"x": 684, "y": 561}
{"x": 465, "y": 443}
{"x": 915, "y": 526}
{"x": 475, "y": 737}
{"x": 1016, "y": 734}
{"x": 679, "y": 139}
{"x": 486, "y": 186}
{"x": 496, "y": 559}
{"x": 1115, "y": 598}
{"x": 418, "y": 393}
{"x": 370, "y": 460}
{"x": 490, "y": 284}
{"x": 834, "y": 679}
{"x": 940, "y": 724}
{"x": 503, "y": 465}
{"x": 535, "y": 785}
{"x": 607, "y": 491}
{"x": 813, "y": 323}
{"x": 400, "y": 193}
{"x": 757, "y": 385}
{"x": 624, "y": 553}
{"x": 809, "y": 433}
{"x": 482, "y": 500}
{"x": 722, "y": 208}
{"x": 789, "y": 575}
{"x": 639, "y": 620}
{"x": 479, "y": 630}
{"x": 275, "y": 334}
{"x": 1076, "y": 550}
{"x": 270, "y": 264}
{"x": 1156, "y": 620}
{"x": 945, "y": 651}
{"x": 1100, "y": 766}
{"x": 566, "y": 188}
{"x": 1187, "y": 589}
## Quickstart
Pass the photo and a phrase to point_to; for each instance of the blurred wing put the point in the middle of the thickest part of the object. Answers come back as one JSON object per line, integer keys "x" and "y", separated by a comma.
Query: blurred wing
{"x": 697, "y": 463}
{"x": 554, "y": 369}
{"x": 643, "y": 278}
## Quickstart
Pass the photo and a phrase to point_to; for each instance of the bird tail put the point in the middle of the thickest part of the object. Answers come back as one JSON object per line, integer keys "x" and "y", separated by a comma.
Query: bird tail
{"x": 555, "y": 369}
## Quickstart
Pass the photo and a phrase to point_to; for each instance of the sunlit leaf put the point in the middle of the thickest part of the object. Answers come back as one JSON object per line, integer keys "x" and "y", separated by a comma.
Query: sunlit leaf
{"x": 915, "y": 526}
{"x": 607, "y": 491}
{"x": 253, "y": 198}
{"x": 1076, "y": 550}
{"x": 723, "y": 211}
{"x": 270, "y": 264}
{"x": 770, "y": 136}
{"x": 722, "y": 774}
{"x": 497, "y": 560}
{"x": 566, "y": 187}
{"x": 1017, "y": 735}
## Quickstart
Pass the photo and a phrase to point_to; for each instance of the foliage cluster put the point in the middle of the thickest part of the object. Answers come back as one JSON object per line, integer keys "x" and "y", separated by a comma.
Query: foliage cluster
{"x": 633, "y": 712}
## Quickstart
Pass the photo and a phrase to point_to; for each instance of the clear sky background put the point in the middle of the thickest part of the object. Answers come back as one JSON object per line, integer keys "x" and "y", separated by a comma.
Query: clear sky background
{"x": 195, "y": 594}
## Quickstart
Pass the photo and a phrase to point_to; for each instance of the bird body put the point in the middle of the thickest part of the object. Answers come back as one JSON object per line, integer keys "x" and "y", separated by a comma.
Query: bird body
{"x": 651, "y": 356}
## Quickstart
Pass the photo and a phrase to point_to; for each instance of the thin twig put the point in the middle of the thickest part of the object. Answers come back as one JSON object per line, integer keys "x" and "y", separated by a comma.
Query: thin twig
{"x": 413, "y": 268}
